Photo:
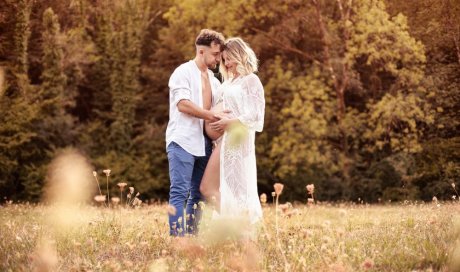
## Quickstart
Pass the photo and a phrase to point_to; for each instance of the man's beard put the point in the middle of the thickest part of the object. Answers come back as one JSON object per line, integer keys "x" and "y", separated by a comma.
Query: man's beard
{"x": 212, "y": 66}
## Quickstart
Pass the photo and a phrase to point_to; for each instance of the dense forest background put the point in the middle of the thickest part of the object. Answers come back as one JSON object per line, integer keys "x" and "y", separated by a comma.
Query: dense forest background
{"x": 362, "y": 97}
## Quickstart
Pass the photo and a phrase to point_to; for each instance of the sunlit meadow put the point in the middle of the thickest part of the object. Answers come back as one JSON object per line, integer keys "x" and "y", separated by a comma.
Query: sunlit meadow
{"x": 68, "y": 232}
{"x": 319, "y": 237}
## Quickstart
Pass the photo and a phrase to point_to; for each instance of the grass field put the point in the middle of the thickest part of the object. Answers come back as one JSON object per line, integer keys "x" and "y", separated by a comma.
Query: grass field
{"x": 321, "y": 237}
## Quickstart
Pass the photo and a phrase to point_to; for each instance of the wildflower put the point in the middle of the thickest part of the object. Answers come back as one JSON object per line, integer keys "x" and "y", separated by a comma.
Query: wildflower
{"x": 171, "y": 210}
{"x": 122, "y": 185}
{"x": 164, "y": 252}
{"x": 95, "y": 173}
{"x": 131, "y": 190}
{"x": 115, "y": 200}
{"x": 188, "y": 247}
{"x": 310, "y": 188}
{"x": 285, "y": 207}
{"x": 137, "y": 202}
{"x": 278, "y": 188}
{"x": 273, "y": 194}
{"x": 106, "y": 172}
{"x": 99, "y": 198}
{"x": 367, "y": 264}
{"x": 454, "y": 197}
{"x": 435, "y": 199}
{"x": 453, "y": 185}
{"x": 263, "y": 198}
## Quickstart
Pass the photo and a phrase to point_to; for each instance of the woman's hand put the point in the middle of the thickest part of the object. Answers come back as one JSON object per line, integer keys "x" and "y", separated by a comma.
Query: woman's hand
{"x": 222, "y": 124}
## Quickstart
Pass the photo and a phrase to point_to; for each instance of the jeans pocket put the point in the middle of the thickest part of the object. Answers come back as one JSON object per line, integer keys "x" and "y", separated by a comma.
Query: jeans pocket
{"x": 171, "y": 147}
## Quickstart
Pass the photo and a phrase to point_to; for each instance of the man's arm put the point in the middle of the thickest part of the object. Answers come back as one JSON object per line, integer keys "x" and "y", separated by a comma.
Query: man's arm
{"x": 188, "y": 107}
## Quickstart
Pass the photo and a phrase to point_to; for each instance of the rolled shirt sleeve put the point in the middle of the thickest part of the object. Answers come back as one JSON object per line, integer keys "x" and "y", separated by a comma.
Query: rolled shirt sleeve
{"x": 179, "y": 86}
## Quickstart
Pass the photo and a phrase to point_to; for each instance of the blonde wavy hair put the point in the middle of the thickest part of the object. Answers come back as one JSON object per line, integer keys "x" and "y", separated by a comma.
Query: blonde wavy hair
{"x": 244, "y": 57}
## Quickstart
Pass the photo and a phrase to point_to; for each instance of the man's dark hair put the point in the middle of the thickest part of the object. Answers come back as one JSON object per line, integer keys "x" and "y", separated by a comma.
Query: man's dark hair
{"x": 207, "y": 36}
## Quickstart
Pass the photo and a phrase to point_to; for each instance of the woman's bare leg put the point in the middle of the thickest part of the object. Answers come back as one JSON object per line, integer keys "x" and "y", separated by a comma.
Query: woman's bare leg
{"x": 210, "y": 183}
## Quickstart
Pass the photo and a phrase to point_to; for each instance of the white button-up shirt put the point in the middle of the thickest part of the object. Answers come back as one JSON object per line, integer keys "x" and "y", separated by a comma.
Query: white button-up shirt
{"x": 183, "y": 129}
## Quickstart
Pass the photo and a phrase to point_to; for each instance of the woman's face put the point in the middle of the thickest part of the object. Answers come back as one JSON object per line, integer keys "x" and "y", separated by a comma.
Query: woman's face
{"x": 230, "y": 64}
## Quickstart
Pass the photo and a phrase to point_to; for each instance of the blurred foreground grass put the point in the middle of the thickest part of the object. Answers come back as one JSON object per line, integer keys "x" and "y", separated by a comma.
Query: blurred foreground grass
{"x": 346, "y": 237}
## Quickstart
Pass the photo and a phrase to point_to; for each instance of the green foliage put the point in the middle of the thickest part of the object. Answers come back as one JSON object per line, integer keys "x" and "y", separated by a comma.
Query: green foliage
{"x": 19, "y": 44}
{"x": 17, "y": 116}
{"x": 378, "y": 119}
{"x": 307, "y": 124}
{"x": 438, "y": 166}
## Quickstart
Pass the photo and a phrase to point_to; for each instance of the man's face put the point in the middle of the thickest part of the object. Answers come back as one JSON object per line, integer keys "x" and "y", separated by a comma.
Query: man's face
{"x": 212, "y": 55}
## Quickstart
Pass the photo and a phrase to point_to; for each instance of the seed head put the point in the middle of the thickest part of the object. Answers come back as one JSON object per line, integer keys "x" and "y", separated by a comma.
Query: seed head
{"x": 310, "y": 188}
{"x": 95, "y": 173}
{"x": 106, "y": 172}
{"x": 99, "y": 198}
{"x": 368, "y": 264}
{"x": 285, "y": 207}
{"x": 122, "y": 185}
{"x": 278, "y": 188}
{"x": 115, "y": 200}
{"x": 263, "y": 198}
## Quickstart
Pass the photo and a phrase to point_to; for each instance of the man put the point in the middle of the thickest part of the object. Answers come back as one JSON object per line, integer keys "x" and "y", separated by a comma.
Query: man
{"x": 190, "y": 96}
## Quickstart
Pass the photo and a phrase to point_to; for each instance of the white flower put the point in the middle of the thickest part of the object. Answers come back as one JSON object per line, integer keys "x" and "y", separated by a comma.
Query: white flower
{"x": 106, "y": 172}
{"x": 99, "y": 198}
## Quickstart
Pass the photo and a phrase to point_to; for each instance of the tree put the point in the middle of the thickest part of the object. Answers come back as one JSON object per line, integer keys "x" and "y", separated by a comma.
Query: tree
{"x": 372, "y": 70}
{"x": 17, "y": 108}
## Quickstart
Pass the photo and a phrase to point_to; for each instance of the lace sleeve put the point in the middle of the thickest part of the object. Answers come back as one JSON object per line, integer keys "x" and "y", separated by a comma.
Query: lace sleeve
{"x": 253, "y": 104}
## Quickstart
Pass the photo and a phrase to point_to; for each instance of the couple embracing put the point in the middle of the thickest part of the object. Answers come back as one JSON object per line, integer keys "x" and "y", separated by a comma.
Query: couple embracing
{"x": 210, "y": 138}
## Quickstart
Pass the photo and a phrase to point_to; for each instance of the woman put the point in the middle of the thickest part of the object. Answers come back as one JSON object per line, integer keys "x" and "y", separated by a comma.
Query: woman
{"x": 231, "y": 174}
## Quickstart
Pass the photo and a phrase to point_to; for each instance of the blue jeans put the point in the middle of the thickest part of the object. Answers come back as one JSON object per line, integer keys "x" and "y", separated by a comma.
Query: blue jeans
{"x": 185, "y": 172}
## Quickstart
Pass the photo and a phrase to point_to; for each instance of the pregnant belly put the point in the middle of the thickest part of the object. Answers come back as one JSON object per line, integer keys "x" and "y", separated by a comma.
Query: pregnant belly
{"x": 213, "y": 134}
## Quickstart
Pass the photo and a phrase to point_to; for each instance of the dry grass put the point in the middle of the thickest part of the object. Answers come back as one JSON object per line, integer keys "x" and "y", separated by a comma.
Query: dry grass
{"x": 405, "y": 237}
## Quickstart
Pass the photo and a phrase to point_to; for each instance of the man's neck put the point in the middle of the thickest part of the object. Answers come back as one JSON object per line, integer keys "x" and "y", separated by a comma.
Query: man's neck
{"x": 203, "y": 68}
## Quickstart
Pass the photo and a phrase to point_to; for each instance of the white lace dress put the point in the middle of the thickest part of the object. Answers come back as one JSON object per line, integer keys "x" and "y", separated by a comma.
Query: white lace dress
{"x": 244, "y": 97}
